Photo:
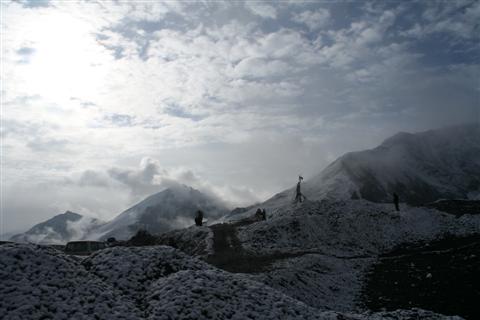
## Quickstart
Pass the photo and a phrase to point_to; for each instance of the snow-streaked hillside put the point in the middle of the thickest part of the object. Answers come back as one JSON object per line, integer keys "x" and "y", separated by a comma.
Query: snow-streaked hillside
{"x": 169, "y": 209}
{"x": 319, "y": 252}
{"x": 351, "y": 228}
{"x": 59, "y": 229}
{"x": 146, "y": 283}
{"x": 419, "y": 167}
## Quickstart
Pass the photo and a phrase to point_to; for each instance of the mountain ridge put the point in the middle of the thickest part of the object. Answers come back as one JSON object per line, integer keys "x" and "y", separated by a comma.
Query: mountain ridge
{"x": 59, "y": 229}
{"x": 169, "y": 209}
{"x": 420, "y": 167}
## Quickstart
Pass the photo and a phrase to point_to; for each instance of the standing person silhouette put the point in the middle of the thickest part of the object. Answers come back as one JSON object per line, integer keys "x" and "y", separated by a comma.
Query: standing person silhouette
{"x": 396, "y": 201}
{"x": 199, "y": 218}
{"x": 299, "y": 197}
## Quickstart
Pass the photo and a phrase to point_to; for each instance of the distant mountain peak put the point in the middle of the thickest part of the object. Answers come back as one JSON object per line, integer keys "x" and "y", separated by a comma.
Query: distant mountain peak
{"x": 171, "y": 208}
{"x": 59, "y": 229}
{"x": 69, "y": 214}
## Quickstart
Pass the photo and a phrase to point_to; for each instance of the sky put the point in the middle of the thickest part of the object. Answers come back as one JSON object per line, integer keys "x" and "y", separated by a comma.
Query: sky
{"x": 106, "y": 102}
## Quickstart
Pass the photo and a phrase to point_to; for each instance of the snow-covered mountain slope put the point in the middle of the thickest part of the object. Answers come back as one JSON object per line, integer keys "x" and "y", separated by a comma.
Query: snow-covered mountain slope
{"x": 169, "y": 209}
{"x": 351, "y": 228}
{"x": 319, "y": 252}
{"x": 332, "y": 245}
{"x": 420, "y": 168}
{"x": 156, "y": 282}
{"x": 59, "y": 229}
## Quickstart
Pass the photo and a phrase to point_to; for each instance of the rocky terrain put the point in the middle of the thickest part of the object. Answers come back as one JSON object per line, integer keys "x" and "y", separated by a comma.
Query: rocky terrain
{"x": 156, "y": 282}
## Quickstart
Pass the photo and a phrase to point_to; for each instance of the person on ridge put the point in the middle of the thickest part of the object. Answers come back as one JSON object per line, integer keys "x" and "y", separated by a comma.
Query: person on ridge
{"x": 199, "y": 218}
{"x": 258, "y": 214}
{"x": 396, "y": 201}
{"x": 299, "y": 197}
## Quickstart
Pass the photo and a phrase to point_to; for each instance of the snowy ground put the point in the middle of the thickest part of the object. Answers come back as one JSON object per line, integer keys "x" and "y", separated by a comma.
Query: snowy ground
{"x": 38, "y": 282}
{"x": 144, "y": 283}
{"x": 350, "y": 228}
{"x": 320, "y": 252}
{"x": 197, "y": 241}
{"x": 306, "y": 261}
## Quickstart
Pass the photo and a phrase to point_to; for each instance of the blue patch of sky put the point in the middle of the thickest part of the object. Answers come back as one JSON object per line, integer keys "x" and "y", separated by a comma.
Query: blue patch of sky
{"x": 36, "y": 3}
{"x": 439, "y": 50}
{"x": 132, "y": 31}
{"x": 175, "y": 110}
{"x": 118, "y": 51}
{"x": 342, "y": 14}
{"x": 120, "y": 120}
{"x": 222, "y": 15}
{"x": 25, "y": 54}
{"x": 25, "y": 51}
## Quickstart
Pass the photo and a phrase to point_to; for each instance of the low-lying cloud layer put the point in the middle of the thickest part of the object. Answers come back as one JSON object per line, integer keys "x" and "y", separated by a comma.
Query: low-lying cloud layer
{"x": 107, "y": 102}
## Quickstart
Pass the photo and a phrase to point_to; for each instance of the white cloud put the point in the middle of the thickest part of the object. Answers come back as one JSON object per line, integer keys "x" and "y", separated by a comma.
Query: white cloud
{"x": 256, "y": 67}
{"x": 261, "y": 9}
{"x": 458, "y": 19}
{"x": 314, "y": 20}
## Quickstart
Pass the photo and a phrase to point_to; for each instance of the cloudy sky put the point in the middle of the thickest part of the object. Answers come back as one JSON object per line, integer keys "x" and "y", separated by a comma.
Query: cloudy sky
{"x": 105, "y": 102}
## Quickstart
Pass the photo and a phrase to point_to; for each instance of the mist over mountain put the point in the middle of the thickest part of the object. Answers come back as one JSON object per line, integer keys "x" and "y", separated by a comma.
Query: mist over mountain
{"x": 419, "y": 167}
{"x": 59, "y": 229}
{"x": 172, "y": 208}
